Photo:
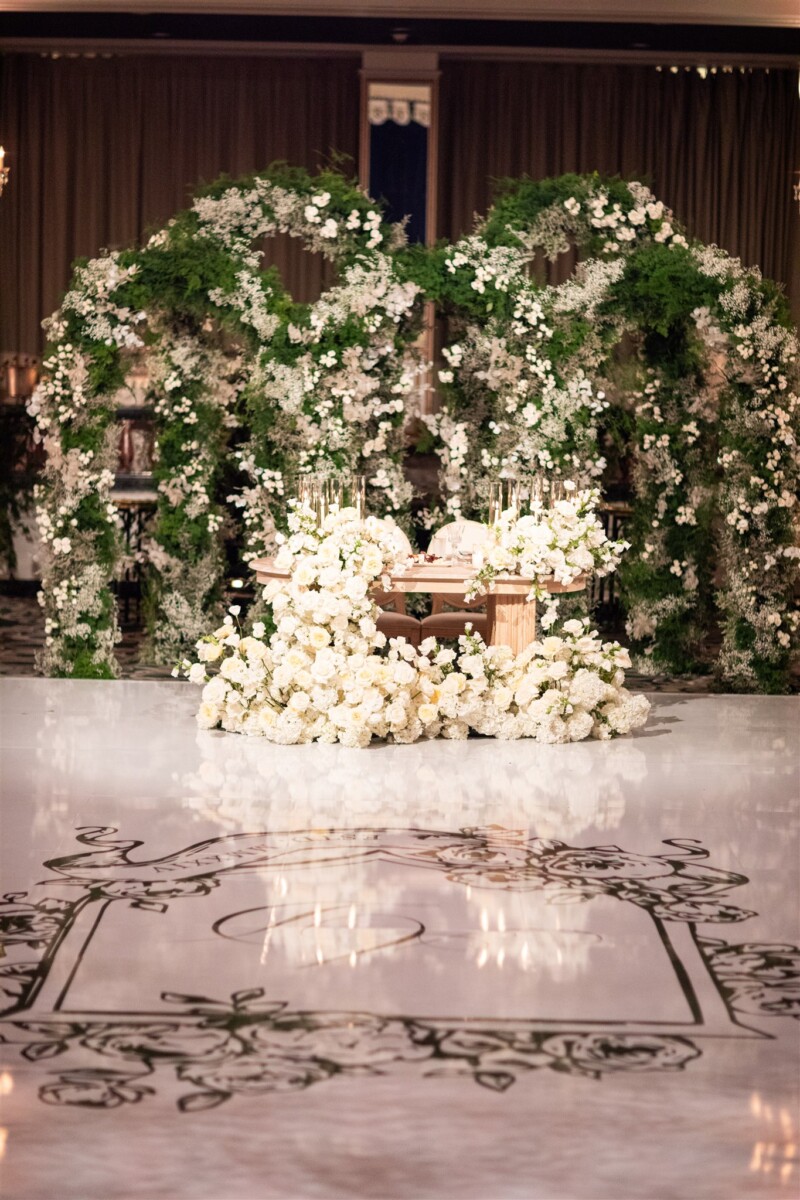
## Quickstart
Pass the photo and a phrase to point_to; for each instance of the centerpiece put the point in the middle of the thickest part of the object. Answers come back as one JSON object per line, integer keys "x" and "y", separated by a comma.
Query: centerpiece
{"x": 328, "y": 674}
{"x": 560, "y": 542}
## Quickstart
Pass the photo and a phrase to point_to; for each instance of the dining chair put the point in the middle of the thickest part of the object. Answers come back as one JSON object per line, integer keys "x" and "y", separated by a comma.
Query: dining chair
{"x": 466, "y": 535}
{"x": 393, "y": 620}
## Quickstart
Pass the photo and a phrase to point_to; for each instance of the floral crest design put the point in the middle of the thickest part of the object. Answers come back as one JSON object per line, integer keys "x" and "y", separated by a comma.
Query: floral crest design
{"x": 251, "y": 1044}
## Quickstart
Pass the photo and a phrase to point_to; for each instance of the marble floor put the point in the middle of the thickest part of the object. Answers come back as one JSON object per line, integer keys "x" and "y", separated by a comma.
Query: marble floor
{"x": 235, "y": 971}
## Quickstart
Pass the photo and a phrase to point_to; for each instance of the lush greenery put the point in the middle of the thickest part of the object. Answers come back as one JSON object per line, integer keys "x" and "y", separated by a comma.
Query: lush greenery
{"x": 659, "y": 350}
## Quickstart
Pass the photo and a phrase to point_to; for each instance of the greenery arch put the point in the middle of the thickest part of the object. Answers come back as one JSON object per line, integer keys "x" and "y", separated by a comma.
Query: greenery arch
{"x": 709, "y": 401}
{"x": 226, "y": 346}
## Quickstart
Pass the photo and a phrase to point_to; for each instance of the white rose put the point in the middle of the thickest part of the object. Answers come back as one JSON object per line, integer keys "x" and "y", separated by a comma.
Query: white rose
{"x": 297, "y": 659}
{"x": 355, "y": 588}
{"x": 299, "y": 702}
{"x": 551, "y": 646}
{"x": 304, "y": 574}
{"x": 372, "y": 562}
{"x": 318, "y": 637}
{"x": 207, "y": 715}
{"x": 233, "y": 669}
{"x": 396, "y": 715}
{"x": 404, "y": 673}
{"x": 427, "y": 713}
{"x": 208, "y": 651}
{"x": 324, "y": 666}
{"x": 197, "y": 673}
{"x": 215, "y": 690}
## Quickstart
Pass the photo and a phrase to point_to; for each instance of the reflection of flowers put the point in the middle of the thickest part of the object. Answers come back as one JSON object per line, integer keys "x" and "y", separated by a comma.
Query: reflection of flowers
{"x": 230, "y": 783}
{"x": 94, "y": 1089}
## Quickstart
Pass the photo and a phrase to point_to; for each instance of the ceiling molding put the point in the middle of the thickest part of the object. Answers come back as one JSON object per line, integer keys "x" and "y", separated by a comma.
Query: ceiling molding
{"x": 763, "y": 13}
{"x": 108, "y": 48}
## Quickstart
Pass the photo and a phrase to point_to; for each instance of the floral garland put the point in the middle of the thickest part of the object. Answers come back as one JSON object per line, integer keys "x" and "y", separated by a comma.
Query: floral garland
{"x": 327, "y": 674}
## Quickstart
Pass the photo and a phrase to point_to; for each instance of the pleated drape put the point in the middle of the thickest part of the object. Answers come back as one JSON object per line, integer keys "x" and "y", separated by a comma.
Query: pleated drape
{"x": 721, "y": 151}
{"x": 101, "y": 150}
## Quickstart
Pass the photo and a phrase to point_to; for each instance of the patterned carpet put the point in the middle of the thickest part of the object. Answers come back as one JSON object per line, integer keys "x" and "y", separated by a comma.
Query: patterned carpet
{"x": 22, "y": 630}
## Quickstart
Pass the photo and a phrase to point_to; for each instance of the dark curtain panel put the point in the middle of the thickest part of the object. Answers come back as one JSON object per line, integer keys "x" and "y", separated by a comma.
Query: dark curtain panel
{"x": 101, "y": 150}
{"x": 719, "y": 151}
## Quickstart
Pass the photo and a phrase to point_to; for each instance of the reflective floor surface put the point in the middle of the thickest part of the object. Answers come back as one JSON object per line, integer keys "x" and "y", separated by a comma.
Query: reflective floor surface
{"x": 478, "y": 970}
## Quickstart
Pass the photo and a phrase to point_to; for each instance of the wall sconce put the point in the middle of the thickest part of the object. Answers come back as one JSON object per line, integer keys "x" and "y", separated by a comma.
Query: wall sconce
{"x": 4, "y": 171}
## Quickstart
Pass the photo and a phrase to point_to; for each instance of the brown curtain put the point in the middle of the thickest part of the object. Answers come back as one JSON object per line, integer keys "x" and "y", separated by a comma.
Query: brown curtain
{"x": 100, "y": 150}
{"x": 720, "y": 151}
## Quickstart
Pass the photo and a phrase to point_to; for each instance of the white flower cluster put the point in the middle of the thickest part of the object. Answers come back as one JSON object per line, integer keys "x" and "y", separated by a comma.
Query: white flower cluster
{"x": 319, "y": 679}
{"x": 453, "y": 437}
{"x": 251, "y": 297}
{"x": 529, "y": 412}
{"x": 74, "y": 481}
{"x": 559, "y": 689}
{"x": 346, "y": 403}
{"x": 591, "y": 212}
{"x": 91, "y": 297}
{"x": 758, "y": 454}
{"x": 239, "y": 217}
{"x": 328, "y": 675}
{"x": 559, "y": 543}
{"x": 193, "y": 385}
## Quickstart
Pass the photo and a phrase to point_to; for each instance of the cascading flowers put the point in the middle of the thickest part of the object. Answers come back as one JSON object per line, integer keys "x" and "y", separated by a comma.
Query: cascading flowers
{"x": 328, "y": 674}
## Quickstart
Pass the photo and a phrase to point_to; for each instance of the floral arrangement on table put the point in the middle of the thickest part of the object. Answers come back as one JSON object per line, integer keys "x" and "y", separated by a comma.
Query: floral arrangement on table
{"x": 559, "y": 543}
{"x": 328, "y": 674}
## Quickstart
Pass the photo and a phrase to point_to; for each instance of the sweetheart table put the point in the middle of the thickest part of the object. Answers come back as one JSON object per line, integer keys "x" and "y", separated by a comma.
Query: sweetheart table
{"x": 512, "y": 617}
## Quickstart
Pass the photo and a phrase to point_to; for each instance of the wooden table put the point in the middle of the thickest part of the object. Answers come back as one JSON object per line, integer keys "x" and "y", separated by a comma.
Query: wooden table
{"x": 512, "y": 617}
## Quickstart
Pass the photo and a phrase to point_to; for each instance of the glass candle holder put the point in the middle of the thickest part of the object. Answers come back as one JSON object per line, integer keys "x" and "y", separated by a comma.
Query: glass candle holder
{"x": 355, "y": 494}
{"x": 504, "y": 494}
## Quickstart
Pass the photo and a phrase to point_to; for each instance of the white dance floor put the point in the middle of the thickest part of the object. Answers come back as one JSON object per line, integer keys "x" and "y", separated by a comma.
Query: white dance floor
{"x": 473, "y": 970}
